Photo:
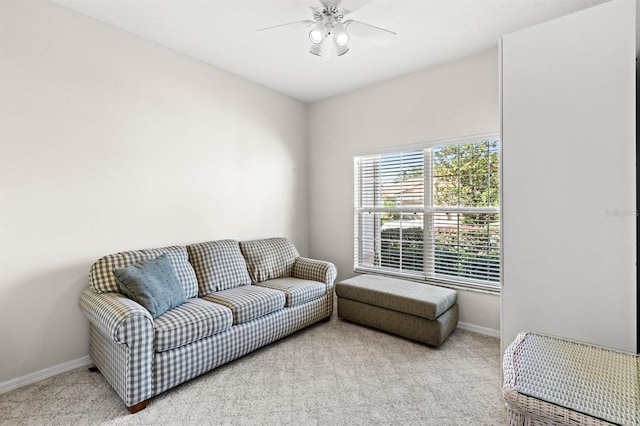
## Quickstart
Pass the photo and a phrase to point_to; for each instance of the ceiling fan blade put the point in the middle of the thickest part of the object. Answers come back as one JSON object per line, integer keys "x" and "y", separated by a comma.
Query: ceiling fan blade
{"x": 369, "y": 32}
{"x": 314, "y": 4}
{"x": 300, "y": 23}
{"x": 350, "y": 6}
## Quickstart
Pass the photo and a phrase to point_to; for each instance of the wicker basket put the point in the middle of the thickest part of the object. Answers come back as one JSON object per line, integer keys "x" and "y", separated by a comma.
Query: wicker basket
{"x": 550, "y": 381}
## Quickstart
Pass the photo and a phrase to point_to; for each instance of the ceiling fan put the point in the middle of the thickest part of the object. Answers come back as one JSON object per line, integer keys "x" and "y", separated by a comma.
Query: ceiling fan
{"x": 330, "y": 33}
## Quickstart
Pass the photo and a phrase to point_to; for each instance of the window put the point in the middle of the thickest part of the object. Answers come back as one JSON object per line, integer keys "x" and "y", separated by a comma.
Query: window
{"x": 431, "y": 212}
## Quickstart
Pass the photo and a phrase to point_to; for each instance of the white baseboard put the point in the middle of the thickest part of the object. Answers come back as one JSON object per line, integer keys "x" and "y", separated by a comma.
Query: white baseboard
{"x": 36, "y": 376}
{"x": 479, "y": 329}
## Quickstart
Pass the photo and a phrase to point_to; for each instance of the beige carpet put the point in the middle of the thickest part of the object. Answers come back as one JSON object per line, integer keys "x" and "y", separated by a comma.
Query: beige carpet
{"x": 329, "y": 374}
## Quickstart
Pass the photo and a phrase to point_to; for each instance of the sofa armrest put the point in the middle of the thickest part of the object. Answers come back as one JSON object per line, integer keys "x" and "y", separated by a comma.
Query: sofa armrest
{"x": 315, "y": 270}
{"x": 122, "y": 346}
{"x": 116, "y": 316}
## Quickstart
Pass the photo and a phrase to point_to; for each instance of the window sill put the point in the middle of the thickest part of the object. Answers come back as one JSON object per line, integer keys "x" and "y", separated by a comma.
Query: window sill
{"x": 421, "y": 279}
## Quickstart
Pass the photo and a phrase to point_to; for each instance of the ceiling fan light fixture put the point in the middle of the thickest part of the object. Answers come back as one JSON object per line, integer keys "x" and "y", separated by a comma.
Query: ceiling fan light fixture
{"x": 315, "y": 36}
{"x": 317, "y": 33}
{"x": 340, "y": 34}
{"x": 316, "y": 49}
{"x": 341, "y": 50}
{"x": 342, "y": 39}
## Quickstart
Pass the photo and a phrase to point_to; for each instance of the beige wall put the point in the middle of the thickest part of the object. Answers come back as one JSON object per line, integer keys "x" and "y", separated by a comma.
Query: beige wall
{"x": 109, "y": 142}
{"x": 447, "y": 101}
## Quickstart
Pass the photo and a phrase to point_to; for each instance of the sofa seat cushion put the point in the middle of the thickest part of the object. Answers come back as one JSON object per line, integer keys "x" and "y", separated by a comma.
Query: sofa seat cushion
{"x": 249, "y": 301}
{"x": 296, "y": 291}
{"x": 193, "y": 320}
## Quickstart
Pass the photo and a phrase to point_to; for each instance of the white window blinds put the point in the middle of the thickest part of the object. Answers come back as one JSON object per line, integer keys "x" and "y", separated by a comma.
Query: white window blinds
{"x": 390, "y": 210}
{"x": 431, "y": 212}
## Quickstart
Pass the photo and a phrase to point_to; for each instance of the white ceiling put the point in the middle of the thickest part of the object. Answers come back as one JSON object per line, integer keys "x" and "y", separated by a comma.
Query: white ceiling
{"x": 222, "y": 33}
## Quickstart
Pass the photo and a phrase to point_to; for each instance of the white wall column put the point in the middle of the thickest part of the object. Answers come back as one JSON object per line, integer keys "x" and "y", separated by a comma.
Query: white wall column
{"x": 569, "y": 177}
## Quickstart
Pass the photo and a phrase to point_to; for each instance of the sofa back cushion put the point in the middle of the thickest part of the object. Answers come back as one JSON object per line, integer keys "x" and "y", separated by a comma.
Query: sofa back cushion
{"x": 219, "y": 265}
{"x": 102, "y": 280}
{"x": 269, "y": 258}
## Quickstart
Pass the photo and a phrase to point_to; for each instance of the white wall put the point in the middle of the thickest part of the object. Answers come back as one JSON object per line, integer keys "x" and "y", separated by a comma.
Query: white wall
{"x": 569, "y": 206}
{"x": 109, "y": 142}
{"x": 455, "y": 99}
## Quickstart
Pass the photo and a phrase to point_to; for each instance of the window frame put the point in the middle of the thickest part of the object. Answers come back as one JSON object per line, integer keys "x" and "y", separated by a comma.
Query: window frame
{"x": 427, "y": 210}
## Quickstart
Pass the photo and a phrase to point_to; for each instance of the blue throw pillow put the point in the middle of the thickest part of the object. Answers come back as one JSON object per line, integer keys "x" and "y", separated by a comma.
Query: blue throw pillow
{"x": 153, "y": 284}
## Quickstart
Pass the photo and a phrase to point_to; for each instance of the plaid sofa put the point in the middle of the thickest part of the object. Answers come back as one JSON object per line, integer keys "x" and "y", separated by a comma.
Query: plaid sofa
{"x": 240, "y": 297}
